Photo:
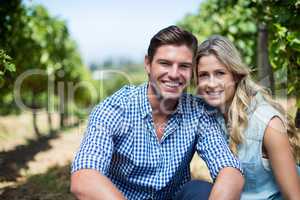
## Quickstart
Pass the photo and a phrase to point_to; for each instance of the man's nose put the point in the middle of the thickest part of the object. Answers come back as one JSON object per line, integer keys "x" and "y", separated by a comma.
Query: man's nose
{"x": 174, "y": 72}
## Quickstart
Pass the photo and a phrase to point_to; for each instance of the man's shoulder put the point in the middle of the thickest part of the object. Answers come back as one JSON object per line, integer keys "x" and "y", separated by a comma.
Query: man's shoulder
{"x": 123, "y": 95}
{"x": 194, "y": 104}
{"x": 188, "y": 99}
{"x": 117, "y": 103}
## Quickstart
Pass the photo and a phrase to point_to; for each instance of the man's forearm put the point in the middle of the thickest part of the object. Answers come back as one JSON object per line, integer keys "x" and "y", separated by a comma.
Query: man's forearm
{"x": 89, "y": 184}
{"x": 228, "y": 185}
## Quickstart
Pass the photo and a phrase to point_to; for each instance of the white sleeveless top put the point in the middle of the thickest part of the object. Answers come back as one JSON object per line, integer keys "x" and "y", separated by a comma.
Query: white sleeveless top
{"x": 260, "y": 182}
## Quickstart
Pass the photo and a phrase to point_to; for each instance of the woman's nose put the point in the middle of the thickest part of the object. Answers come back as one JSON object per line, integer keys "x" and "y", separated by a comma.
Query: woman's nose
{"x": 212, "y": 82}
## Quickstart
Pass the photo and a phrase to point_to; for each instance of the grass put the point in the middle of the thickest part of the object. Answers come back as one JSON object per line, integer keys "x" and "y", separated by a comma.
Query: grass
{"x": 52, "y": 185}
{"x": 53, "y": 182}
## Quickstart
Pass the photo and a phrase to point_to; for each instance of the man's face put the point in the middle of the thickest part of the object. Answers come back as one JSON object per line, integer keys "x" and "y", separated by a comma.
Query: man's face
{"x": 170, "y": 71}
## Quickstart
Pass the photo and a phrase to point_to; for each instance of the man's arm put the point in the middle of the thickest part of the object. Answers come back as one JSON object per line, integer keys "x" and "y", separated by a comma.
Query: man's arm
{"x": 92, "y": 161}
{"x": 228, "y": 185}
{"x": 224, "y": 167}
{"x": 88, "y": 184}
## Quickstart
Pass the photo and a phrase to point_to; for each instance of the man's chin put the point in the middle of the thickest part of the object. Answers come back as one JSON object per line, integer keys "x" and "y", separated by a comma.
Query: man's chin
{"x": 171, "y": 96}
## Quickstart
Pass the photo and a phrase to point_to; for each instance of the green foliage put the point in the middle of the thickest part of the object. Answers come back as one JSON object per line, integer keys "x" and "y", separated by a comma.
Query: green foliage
{"x": 39, "y": 45}
{"x": 234, "y": 22}
{"x": 6, "y": 65}
{"x": 284, "y": 19}
{"x": 238, "y": 20}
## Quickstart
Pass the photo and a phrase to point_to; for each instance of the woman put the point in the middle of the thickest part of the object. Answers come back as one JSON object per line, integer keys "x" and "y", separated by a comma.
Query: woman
{"x": 267, "y": 144}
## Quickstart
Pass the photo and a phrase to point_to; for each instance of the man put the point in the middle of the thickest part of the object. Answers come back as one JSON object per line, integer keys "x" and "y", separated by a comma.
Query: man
{"x": 139, "y": 142}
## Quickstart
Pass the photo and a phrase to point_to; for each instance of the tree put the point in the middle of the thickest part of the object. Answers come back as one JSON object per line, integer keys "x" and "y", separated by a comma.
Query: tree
{"x": 10, "y": 14}
{"x": 6, "y": 66}
{"x": 41, "y": 49}
{"x": 247, "y": 22}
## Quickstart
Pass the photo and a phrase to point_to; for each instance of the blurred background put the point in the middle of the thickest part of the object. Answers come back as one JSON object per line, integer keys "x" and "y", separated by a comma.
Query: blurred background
{"x": 58, "y": 59}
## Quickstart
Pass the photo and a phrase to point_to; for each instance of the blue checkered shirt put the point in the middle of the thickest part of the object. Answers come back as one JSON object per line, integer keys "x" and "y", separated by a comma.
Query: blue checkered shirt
{"x": 121, "y": 143}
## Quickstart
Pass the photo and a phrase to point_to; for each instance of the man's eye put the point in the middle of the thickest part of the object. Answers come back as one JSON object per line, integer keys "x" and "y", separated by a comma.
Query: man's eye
{"x": 185, "y": 66}
{"x": 164, "y": 63}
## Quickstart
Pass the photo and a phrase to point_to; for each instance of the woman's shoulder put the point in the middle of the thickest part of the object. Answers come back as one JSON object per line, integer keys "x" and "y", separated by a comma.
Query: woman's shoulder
{"x": 260, "y": 115}
{"x": 262, "y": 110}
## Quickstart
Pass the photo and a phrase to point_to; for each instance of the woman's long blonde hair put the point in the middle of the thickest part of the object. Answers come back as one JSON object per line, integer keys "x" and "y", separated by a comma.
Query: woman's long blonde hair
{"x": 246, "y": 88}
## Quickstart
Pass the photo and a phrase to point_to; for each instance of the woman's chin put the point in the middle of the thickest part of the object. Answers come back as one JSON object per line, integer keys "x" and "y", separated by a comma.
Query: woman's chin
{"x": 214, "y": 103}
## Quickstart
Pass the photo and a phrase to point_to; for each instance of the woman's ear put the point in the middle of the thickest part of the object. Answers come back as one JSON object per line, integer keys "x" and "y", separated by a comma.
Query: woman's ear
{"x": 237, "y": 78}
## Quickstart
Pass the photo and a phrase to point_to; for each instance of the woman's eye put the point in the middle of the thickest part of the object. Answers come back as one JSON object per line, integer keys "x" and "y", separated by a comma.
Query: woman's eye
{"x": 220, "y": 73}
{"x": 202, "y": 76}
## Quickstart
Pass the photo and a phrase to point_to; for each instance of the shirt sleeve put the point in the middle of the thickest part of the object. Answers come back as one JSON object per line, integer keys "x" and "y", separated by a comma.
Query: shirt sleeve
{"x": 96, "y": 148}
{"x": 212, "y": 147}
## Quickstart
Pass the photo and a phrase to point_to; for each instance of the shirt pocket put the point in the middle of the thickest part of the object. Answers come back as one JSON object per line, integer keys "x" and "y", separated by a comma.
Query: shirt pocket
{"x": 250, "y": 175}
{"x": 122, "y": 163}
{"x": 123, "y": 159}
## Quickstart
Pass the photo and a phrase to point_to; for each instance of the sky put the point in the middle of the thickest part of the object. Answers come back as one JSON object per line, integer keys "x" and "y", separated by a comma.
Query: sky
{"x": 117, "y": 28}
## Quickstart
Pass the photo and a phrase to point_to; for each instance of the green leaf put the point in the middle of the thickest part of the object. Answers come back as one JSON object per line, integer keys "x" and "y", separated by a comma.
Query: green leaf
{"x": 233, "y": 29}
{"x": 298, "y": 103}
{"x": 2, "y": 81}
{"x": 295, "y": 47}
{"x": 10, "y": 67}
{"x": 44, "y": 57}
{"x": 291, "y": 89}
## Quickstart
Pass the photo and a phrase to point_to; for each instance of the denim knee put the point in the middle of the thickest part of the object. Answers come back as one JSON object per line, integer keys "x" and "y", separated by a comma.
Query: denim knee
{"x": 193, "y": 190}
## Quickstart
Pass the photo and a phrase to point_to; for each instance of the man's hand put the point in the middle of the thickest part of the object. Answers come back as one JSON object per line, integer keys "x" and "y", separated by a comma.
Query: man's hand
{"x": 228, "y": 185}
{"x": 88, "y": 184}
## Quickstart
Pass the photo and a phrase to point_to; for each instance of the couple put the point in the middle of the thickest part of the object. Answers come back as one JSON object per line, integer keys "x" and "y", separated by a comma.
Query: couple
{"x": 139, "y": 142}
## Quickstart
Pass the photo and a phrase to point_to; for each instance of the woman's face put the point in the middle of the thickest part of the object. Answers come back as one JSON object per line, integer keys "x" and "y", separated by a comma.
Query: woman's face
{"x": 216, "y": 84}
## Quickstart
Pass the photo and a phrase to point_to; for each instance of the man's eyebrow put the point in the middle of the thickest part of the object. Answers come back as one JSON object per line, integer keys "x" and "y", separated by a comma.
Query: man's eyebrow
{"x": 162, "y": 59}
{"x": 186, "y": 63}
{"x": 166, "y": 60}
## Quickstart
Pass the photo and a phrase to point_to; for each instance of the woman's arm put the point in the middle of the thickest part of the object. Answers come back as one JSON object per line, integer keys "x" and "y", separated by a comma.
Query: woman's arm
{"x": 283, "y": 164}
{"x": 228, "y": 185}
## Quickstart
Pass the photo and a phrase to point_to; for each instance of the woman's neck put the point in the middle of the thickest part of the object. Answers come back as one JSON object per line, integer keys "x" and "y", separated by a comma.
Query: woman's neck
{"x": 224, "y": 110}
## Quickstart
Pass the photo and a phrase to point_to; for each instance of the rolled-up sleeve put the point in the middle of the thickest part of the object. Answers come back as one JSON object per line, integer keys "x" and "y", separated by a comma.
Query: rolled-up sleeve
{"x": 96, "y": 148}
{"x": 212, "y": 147}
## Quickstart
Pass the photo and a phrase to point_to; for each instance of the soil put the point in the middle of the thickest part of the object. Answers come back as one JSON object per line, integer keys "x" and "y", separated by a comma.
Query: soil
{"x": 24, "y": 161}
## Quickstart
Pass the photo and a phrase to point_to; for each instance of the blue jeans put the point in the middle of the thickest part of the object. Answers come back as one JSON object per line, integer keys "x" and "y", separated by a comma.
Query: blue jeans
{"x": 193, "y": 190}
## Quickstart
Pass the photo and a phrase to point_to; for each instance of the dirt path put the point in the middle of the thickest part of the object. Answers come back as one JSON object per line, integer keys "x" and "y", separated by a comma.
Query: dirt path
{"x": 61, "y": 153}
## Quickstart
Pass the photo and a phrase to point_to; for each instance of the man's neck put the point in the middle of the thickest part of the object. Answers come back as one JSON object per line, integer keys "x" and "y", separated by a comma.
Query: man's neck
{"x": 161, "y": 110}
{"x": 161, "y": 106}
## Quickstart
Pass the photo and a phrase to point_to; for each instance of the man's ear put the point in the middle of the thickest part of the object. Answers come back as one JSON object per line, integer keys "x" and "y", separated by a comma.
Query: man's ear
{"x": 147, "y": 64}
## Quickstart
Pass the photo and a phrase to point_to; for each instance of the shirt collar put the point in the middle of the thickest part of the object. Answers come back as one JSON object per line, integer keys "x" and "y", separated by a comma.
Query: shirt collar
{"x": 256, "y": 99}
{"x": 210, "y": 110}
{"x": 179, "y": 108}
{"x": 145, "y": 103}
